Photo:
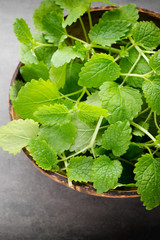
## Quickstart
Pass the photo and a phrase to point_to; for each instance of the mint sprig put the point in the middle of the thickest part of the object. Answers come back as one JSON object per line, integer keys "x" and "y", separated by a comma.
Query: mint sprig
{"x": 90, "y": 108}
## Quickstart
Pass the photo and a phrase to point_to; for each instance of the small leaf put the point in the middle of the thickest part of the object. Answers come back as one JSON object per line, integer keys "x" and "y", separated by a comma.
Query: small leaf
{"x": 43, "y": 154}
{"x": 16, "y": 134}
{"x": 66, "y": 54}
{"x": 122, "y": 103}
{"x": 33, "y": 95}
{"x": 79, "y": 169}
{"x": 14, "y": 89}
{"x": 99, "y": 69}
{"x": 58, "y": 76}
{"x": 148, "y": 180}
{"x": 105, "y": 173}
{"x": 89, "y": 113}
{"x": 94, "y": 99}
{"x": 109, "y": 32}
{"x": 52, "y": 27}
{"x": 34, "y": 71}
{"x": 22, "y": 31}
{"x": 154, "y": 62}
{"x": 117, "y": 138}
{"x": 46, "y": 7}
{"x": 146, "y": 34}
{"x": 60, "y": 138}
{"x": 151, "y": 91}
{"x": 26, "y": 54}
{"x": 54, "y": 114}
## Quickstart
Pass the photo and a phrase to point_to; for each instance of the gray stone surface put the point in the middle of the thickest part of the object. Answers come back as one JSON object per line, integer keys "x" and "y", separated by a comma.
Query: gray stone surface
{"x": 32, "y": 206}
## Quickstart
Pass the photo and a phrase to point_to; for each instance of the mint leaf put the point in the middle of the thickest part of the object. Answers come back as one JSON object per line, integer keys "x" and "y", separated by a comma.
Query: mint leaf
{"x": 44, "y": 54}
{"x": 54, "y": 114}
{"x": 141, "y": 68}
{"x": 76, "y": 9}
{"x": 66, "y": 54}
{"x": 46, "y": 7}
{"x": 79, "y": 169}
{"x": 158, "y": 137}
{"x": 89, "y": 113}
{"x": 26, "y": 54}
{"x": 148, "y": 180}
{"x": 99, "y": 69}
{"x": 34, "y": 71}
{"x": 60, "y": 138}
{"x": 151, "y": 91}
{"x": 16, "y": 134}
{"x": 117, "y": 138}
{"x": 94, "y": 99}
{"x": 139, "y": 133}
{"x": 52, "y": 27}
{"x": 43, "y": 154}
{"x": 22, "y": 31}
{"x": 14, "y": 89}
{"x": 33, "y": 95}
{"x": 58, "y": 76}
{"x": 105, "y": 173}
{"x": 154, "y": 62}
{"x": 109, "y": 32}
{"x": 123, "y": 103}
{"x": 146, "y": 34}
{"x": 127, "y": 12}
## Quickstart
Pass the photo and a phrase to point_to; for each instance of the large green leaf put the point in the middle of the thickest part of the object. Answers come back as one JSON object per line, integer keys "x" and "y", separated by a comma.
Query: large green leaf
{"x": 99, "y": 69}
{"x": 117, "y": 138}
{"x": 109, "y": 32}
{"x": 105, "y": 173}
{"x": 151, "y": 91}
{"x": 146, "y": 34}
{"x": 43, "y": 154}
{"x": 148, "y": 180}
{"x": 22, "y": 31}
{"x": 59, "y": 137}
{"x": 16, "y": 134}
{"x": 79, "y": 169}
{"x": 54, "y": 114}
{"x": 33, "y": 95}
{"x": 122, "y": 103}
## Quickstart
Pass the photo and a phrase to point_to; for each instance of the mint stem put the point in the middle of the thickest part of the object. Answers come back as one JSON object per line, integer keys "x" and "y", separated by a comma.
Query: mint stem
{"x": 114, "y": 50}
{"x": 90, "y": 19}
{"x": 96, "y": 132}
{"x": 84, "y": 30}
{"x": 155, "y": 121}
{"x": 143, "y": 130}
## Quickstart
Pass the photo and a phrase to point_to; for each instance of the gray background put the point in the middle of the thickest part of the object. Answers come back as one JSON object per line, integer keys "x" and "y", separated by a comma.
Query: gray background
{"x": 32, "y": 206}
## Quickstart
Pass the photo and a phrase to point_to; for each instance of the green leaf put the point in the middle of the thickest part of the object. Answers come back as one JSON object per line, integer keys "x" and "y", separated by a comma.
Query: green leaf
{"x": 127, "y": 12}
{"x": 146, "y": 34}
{"x": 148, "y": 180}
{"x": 109, "y": 32}
{"x": 44, "y": 156}
{"x": 134, "y": 152}
{"x": 89, "y": 113}
{"x": 16, "y": 134}
{"x": 14, "y": 89}
{"x": 123, "y": 103}
{"x": 72, "y": 75}
{"x": 117, "y": 138}
{"x": 44, "y": 54}
{"x": 79, "y": 169}
{"x": 105, "y": 173}
{"x": 66, "y": 54}
{"x": 26, "y": 54}
{"x": 34, "y": 95}
{"x": 34, "y": 71}
{"x": 54, "y": 114}
{"x": 58, "y": 76}
{"x": 94, "y": 99}
{"x": 154, "y": 62}
{"x": 22, "y": 31}
{"x": 60, "y": 138}
{"x": 76, "y": 9}
{"x": 99, "y": 69}
{"x": 151, "y": 91}
{"x": 52, "y": 27}
{"x": 84, "y": 135}
{"x": 46, "y": 7}
{"x": 141, "y": 68}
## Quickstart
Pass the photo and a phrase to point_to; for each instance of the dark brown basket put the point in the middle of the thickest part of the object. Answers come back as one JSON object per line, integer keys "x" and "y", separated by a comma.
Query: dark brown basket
{"x": 76, "y": 30}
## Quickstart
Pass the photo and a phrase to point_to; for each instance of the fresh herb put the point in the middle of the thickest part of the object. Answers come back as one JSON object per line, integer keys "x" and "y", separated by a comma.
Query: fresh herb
{"x": 90, "y": 108}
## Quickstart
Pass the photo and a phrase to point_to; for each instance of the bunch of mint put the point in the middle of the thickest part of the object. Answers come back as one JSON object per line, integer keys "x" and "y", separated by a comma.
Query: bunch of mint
{"x": 90, "y": 108}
